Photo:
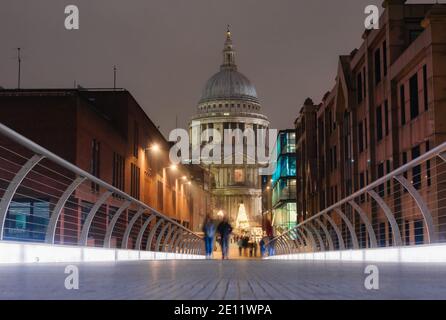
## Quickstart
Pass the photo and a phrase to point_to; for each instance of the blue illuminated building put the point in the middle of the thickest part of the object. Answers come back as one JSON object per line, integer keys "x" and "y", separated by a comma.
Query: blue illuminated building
{"x": 284, "y": 183}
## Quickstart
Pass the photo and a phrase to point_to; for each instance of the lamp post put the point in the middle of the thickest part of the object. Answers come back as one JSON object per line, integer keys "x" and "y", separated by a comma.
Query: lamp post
{"x": 155, "y": 147}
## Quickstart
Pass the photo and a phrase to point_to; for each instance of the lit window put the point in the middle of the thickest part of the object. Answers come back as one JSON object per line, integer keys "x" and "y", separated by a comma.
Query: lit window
{"x": 239, "y": 176}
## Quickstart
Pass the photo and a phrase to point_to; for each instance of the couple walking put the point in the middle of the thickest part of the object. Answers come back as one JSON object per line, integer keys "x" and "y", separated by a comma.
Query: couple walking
{"x": 224, "y": 230}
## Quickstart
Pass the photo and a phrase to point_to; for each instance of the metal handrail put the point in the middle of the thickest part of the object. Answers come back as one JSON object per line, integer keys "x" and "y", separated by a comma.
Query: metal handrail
{"x": 39, "y": 150}
{"x": 439, "y": 151}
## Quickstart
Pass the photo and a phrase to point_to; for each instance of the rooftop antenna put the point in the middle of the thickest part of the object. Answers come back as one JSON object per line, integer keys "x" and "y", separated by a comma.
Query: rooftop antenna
{"x": 114, "y": 77}
{"x": 19, "y": 62}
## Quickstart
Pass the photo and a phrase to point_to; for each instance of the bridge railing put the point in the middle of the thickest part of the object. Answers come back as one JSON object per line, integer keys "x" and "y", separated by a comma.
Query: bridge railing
{"x": 406, "y": 207}
{"x": 46, "y": 199}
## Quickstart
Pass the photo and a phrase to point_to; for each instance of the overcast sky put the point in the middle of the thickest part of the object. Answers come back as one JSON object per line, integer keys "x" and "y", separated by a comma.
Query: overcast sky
{"x": 165, "y": 50}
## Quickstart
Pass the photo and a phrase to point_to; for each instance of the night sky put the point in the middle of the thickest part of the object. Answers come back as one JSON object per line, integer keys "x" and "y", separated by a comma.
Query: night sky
{"x": 165, "y": 50}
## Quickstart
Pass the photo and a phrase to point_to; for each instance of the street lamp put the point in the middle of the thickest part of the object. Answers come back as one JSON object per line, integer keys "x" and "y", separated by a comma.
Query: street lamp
{"x": 172, "y": 167}
{"x": 154, "y": 147}
{"x": 186, "y": 182}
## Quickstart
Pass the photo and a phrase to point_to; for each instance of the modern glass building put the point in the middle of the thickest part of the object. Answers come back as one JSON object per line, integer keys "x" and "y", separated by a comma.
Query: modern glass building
{"x": 284, "y": 183}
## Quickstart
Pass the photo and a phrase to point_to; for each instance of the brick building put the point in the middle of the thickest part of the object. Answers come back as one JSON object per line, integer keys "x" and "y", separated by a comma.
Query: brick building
{"x": 106, "y": 133}
{"x": 385, "y": 109}
{"x": 306, "y": 159}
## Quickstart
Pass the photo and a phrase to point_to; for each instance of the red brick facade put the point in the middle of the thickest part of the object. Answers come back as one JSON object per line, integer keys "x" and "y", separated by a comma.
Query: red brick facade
{"x": 386, "y": 108}
{"x": 74, "y": 123}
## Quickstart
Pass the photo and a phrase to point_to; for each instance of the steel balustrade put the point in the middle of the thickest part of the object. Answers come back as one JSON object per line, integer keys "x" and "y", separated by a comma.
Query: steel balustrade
{"x": 152, "y": 234}
{"x": 176, "y": 246}
{"x": 12, "y": 188}
{"x": 421, "y": 205}
{"x": 388, "y": 212}
{"x": 366, "y": 221}
{"x": 169, "y": 240}
{"x": 87, "y": 223}
{"x": 51, "y": 230}
{"x": 176, "y": 234}
{"x": 111, "y": 225}
{"x": 392, "y": 211}
{"x": 142, "y": 230}
{"x": 318, "y": 236}
{"x": 305, "y": 238}
{"x": 350, "y": 228}
{"x": 298, "y": 240}
{"x": 125, "y": 239}
{"x": 160, "y": 236}
{"x": 327, "y": 234}
{"x": 58, "y": 221}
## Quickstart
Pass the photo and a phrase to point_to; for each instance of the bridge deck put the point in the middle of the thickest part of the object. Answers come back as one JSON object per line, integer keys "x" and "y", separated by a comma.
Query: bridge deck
{"x": 215, "y": 280}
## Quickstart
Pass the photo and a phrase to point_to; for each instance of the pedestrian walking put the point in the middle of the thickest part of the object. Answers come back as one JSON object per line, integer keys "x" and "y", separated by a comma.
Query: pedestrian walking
{"x": 225, "y": 230}
{"x": 209, "y": 235}
{"x": 255, "y": 248}
{"x": 262, "y": 248}
{"x": 240, "y": 246}
{"x": 245, "y": 243}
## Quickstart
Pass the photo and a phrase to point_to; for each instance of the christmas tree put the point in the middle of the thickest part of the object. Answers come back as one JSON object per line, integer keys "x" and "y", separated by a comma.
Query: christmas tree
{"x": 242, "y": 221}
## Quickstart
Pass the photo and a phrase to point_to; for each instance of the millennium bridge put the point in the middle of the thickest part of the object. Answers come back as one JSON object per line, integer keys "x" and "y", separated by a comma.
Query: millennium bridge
{"x": 116, "y": 247}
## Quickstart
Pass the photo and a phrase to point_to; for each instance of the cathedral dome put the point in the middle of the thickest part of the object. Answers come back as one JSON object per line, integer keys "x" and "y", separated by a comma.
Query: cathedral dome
{"x": 229, "y": 84}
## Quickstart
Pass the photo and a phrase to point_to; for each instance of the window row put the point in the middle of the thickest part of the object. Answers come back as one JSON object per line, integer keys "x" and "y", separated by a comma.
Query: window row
{"x": 380, "y": 62}
{"x": 414, "y": 96}
{"x": 230, "y": 105}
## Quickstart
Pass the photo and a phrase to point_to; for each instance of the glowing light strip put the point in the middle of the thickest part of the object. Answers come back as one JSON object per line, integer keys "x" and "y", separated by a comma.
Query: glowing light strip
{"x": 411, "y": 254}
{"x": 19, "y": 253}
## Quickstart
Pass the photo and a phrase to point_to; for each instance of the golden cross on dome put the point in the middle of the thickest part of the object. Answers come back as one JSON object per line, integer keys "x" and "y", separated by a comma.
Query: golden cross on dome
{"x": 228, "y": 31}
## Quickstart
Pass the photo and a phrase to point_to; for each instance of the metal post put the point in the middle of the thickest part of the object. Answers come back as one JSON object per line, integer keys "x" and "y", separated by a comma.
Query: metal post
{"x": 395, "y": 229}
{"x": 125, "y": 238}
{"x": 12, "y": 188}
{"x": 164, "y": 246}
{"x": 318, "y": 236}
{"x": 173, "y": 240}
{"x": 89, "y": 219}
{"x": 152, "y": 234}
{"x": 160, "y": 236}
{"x": 327, "y": 234}
{"x": 366, "y": 221}
{"x": 350, "y": 228}
{"x": 422, "y": 206}
{"x": 310, "y": 235}
{"x": 338, "y": 232}
{"x": 141, "y": 232}
{"x": 177, "y": 244}
{"x": 112, "y": 223}
{"x": 299, "y": 241}
{"x": 52, "y": 224}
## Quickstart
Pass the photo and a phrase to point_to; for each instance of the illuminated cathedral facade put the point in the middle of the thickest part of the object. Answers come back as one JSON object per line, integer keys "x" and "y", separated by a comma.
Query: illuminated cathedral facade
{"x": 229, "y": 101}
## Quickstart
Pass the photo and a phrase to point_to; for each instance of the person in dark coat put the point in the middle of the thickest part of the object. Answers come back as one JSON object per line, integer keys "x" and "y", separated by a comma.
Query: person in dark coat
{"x": 240, "y": 246}
{"x": 262, "y": 248}
{"x": 209, "y": 235}
{"x": 245, "y": 244}
{"x": 225, "y": 230}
